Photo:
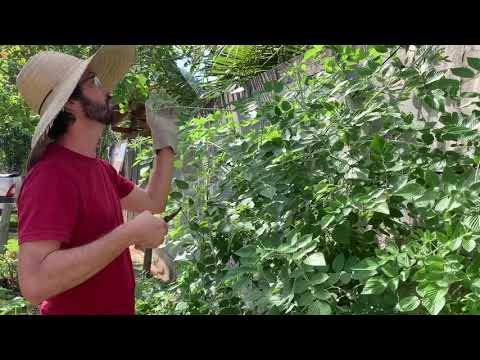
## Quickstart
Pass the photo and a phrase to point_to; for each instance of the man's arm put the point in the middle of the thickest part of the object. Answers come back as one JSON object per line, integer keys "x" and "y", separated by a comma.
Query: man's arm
{"x": 161, "y": 116}
{"x": 154, "y": 197}
{"x": 45, "y": 270}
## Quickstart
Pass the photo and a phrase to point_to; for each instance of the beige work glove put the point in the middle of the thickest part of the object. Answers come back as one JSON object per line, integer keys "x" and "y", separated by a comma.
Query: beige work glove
{"x": 169, "y": 274}
{"x": 161, "y": 118}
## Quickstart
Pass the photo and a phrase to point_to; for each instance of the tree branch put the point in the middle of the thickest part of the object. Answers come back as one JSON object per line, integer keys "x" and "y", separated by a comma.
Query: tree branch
{"x": 391, "y": 55}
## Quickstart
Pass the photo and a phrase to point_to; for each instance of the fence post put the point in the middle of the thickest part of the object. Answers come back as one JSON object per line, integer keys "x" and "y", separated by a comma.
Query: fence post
{"x": 5, "y": 225}
{"x": 133, "y": 173}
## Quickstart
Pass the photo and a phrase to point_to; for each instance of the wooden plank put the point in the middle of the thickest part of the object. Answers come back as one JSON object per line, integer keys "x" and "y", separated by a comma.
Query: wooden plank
{"x": 5, "y": 226}
{"x": 132, "y": 173}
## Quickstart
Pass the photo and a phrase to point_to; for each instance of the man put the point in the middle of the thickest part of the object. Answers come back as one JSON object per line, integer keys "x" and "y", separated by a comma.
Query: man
{"x": 74, "y": 246}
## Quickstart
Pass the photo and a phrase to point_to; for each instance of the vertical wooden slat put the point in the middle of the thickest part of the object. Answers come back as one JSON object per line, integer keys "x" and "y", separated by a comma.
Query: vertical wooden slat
{"x": 5, "y": 225}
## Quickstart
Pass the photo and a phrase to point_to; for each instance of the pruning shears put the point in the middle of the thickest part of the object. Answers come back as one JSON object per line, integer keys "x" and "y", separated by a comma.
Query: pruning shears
{"x": 172, "y": 215}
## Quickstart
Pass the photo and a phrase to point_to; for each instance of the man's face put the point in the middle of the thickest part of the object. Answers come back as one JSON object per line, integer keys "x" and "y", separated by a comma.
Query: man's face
{"x": 96, "y": 102}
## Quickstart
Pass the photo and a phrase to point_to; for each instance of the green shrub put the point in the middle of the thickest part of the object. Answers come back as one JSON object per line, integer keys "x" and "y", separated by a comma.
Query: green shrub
{"x": 11, "y": 302}
{"x": 332, "y": 197}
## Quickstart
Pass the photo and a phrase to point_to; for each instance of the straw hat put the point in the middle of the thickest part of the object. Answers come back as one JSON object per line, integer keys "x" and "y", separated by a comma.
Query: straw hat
{"x": 48, "y": 79}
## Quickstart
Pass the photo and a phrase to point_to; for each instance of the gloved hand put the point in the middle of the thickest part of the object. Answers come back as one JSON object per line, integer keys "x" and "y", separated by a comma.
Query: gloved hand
{"x": 161, "y": 118}
{"x": 163, "y": 258}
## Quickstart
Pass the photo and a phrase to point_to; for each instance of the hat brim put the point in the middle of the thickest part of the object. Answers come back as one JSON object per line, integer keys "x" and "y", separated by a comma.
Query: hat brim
{"x": 110, "y": 63}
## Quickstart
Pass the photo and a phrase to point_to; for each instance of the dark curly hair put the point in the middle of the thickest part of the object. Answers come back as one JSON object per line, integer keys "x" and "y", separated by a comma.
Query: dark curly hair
{"x": 64, "y": 118}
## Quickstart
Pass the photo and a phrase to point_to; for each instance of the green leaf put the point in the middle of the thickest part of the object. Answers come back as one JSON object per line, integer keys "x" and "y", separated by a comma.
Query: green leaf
{"x": 278, "y": 86}
{"x": 438, "y": 100}
{"x": 304, "y": 241}
{"x": 319, "y": 308}
{"x": 287, "y": 248}
{"x": 318, "y": 279}
{"x": 300, "y": 254}
{"x": 291, "y": 242}
{"x": 476, "y": 284}
{"x": 377, "y": 144}
{"x": 333, "y": 278}
{"x": 427, "y": 138}
{"x": 306, "y": 299}
{"x": 390, "y": 269}
{"x": 474, "y": 63}
{"x": 428, "y": 199}
{"x": 356, "y": 174}
{"x": 12, "y": 246}
{"x": 410, "y": 191}
{"x": 326, "y": 220}
{"x": 268, "y": 192}
{"x": 363, "y": 275}
{"x": 447, "y": 204}
{"x": 435, "y": 263}
{"x": 322, "y": 294}
{"x": 382, "y": 208}
{"x": 268, "y": 86}
{"x": 246, "y": 251}
{"x": 399, "y": 182}
{"x": 278, "y": 111}
{"x": 374, "y": 286}
{"x": 286, "y": 105}
{"x": 313, "y": 52}
{"x": 345, "y": 277}
{"x": 468, "y": 244}
{"x": 444, "y": 83}
{"x": 176, "y": 195}
{"x": 434, "y": 300}
{"x": 404, "y": 275}
{"x": 431, "y": 178}
{"x": 338, "y": 262}
{"x": 432, "y": 259}
{"x": 455, "y": 243}
{"x": 316, "y": 259}
{"x": 463, "y": 72}
{"x": 472, "y": 222}
{"x": 278, "y": 300}
{"x": 181, "y": 184}
{"x": 408, "y": 72}
{"x": 435, "y": 78}
{"x": 443, "y": 204}
{"x": 409, "y": 303}
{"x": 178, "y": 164}
{"x": 367, "y": 264}
{"x": 342, "y": 233}
{"x": 392, "y": 284}
{"x": 300, "y": 286}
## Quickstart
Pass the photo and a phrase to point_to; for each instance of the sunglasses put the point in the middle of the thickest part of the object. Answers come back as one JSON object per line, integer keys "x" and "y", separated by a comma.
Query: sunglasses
{"x": 96, "y": 81}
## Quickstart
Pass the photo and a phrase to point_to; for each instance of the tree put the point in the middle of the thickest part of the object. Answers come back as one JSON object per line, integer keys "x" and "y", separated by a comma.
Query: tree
{"x": 224, "y": 67}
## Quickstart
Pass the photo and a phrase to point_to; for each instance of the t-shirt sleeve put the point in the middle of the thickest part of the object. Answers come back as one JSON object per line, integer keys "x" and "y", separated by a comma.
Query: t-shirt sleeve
{"x": 123, "y": 185}
{"x": 48, "y": 207}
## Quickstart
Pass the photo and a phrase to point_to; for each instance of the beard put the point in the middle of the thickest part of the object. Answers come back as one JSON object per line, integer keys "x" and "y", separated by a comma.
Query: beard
{"x": 103, "y": 113}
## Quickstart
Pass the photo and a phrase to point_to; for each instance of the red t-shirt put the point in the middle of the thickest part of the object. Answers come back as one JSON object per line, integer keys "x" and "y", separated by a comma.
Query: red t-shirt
{"x": 75, "y": 199}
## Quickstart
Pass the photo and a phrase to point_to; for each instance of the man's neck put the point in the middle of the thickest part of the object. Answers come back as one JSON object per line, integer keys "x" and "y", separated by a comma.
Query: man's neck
{"x": 82, "y": 137}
